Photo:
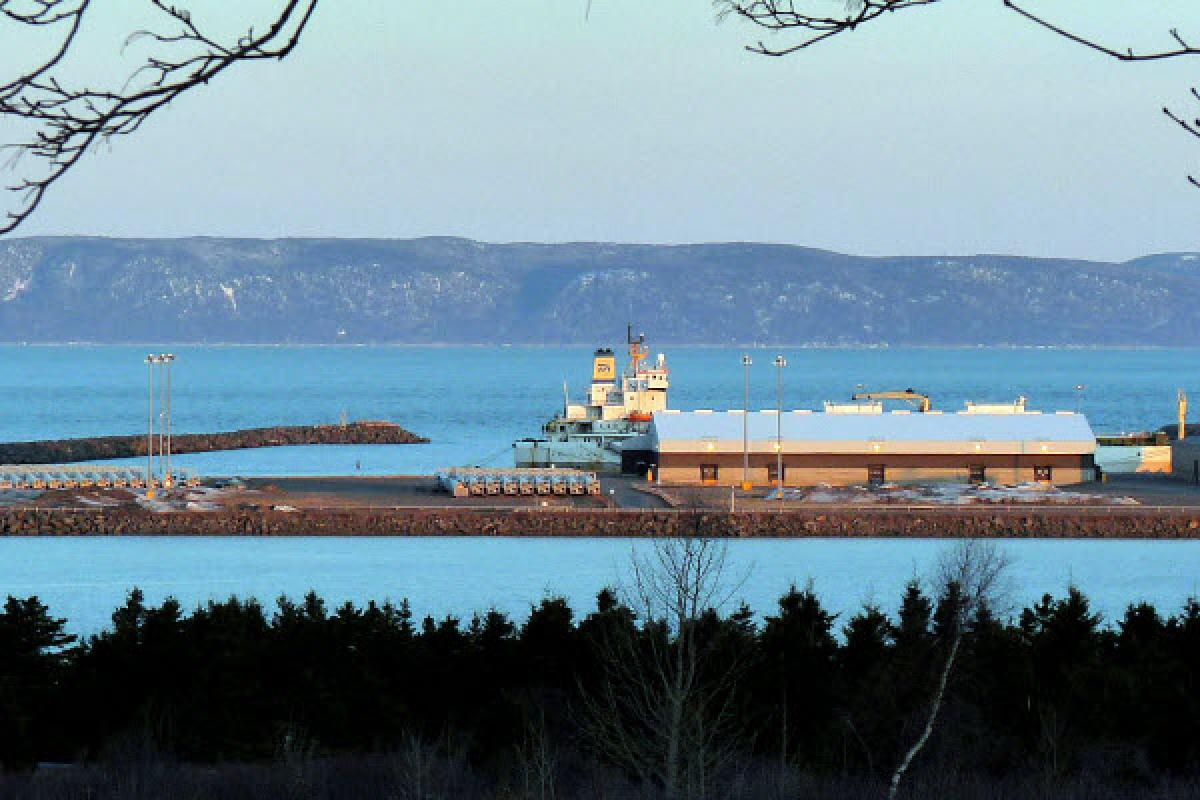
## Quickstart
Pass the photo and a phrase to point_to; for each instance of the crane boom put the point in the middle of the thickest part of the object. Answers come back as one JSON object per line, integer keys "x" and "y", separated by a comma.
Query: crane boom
{"x": 921, "y": 400}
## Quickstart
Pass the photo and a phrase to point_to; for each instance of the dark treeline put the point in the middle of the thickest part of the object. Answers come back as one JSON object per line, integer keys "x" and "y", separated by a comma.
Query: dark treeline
{"x": 237, "y": 700}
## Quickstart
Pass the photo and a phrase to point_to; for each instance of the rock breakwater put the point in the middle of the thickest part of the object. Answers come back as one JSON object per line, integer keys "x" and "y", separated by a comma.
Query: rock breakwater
{"x": 1120, "y": 523}
{"x": 65, "y": 451}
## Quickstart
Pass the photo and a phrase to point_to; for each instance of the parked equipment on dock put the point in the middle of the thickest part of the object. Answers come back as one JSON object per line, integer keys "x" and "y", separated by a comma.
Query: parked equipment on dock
{"x": 75, "y": 476}
{"x": 479, "y": 482}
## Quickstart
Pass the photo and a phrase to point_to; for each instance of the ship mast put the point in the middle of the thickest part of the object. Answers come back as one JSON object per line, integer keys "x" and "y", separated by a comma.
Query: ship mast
{"x": 637, "y": 349}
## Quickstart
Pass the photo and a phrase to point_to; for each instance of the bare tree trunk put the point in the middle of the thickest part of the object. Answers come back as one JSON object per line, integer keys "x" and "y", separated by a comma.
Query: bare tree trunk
{"x": 968, "y": 573}
{"x": 536, "y": 757}
{"x": 927, "y": 731}
{"x": 660, "y": 711}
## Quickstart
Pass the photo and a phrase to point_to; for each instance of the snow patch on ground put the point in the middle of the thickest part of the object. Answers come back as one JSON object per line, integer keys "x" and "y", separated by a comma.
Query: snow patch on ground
{"x": 156, "y": 504}
{"x": 196, "y": 498}
{"x": 101, "y": 502}
{"x": 946, "y": 494}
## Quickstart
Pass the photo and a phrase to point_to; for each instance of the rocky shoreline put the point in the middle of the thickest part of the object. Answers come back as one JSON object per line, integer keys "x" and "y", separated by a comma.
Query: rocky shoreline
{"x": 1115, "y": 523}
{"x": 65, "y": 451}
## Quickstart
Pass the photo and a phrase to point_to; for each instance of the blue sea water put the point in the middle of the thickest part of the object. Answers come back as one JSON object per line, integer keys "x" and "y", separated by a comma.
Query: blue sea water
{"x": 473, "y": 402}
{"x": 84, "y": 579}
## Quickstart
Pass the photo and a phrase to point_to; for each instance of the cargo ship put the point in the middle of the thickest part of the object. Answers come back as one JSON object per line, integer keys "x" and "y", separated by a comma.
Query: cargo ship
{"x": 618, "y": 408}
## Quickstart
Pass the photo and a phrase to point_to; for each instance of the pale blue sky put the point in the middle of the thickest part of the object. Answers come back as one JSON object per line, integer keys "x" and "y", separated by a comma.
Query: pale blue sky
{"x": 952, "y": 129}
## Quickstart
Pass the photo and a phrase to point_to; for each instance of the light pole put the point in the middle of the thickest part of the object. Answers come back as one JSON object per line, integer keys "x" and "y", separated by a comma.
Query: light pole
{"x": 780, "y": 363}
{"x": 1079, "y": 389}
{"x": 151, "y": 360}
{"x": 162, "y": 418}
{"x": 168, "y": 480}
{"x": 746, "y": 362}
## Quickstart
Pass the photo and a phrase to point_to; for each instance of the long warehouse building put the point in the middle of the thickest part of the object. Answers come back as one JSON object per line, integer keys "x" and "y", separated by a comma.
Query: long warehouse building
{"x": 864, "y": 445}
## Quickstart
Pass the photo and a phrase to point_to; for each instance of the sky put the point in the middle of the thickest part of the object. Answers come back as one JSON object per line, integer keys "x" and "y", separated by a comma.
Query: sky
{"x": 952, "y": 129}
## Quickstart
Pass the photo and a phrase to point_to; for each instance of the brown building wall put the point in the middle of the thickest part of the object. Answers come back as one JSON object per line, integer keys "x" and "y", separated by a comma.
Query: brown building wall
{"x": 853, "y": 469}
{"x": 1185, "y": 459}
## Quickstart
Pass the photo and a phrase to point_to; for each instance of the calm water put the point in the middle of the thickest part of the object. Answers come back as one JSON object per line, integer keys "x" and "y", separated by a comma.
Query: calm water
{"x": 84, "y": 579}
{"x": 473, "y": 402}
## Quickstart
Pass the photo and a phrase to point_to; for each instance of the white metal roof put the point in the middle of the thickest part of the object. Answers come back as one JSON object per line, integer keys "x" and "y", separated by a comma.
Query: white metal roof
{"x": 818, "y": 432}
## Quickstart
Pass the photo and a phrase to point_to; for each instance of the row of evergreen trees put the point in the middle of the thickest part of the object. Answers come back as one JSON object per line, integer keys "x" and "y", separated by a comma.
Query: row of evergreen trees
{"x": 1052, "y": 691}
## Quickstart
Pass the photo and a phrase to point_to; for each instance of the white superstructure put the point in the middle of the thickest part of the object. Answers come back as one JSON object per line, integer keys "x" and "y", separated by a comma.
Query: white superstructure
{"x": 589, "y": 435}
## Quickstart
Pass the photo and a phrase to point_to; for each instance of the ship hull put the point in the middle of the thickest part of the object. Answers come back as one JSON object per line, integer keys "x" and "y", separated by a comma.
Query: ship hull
{"x": 571, "y": 455}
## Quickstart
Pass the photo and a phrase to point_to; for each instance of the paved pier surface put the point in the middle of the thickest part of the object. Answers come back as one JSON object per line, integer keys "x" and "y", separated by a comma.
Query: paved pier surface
{"x": 1145, "y": 491}
{"x": 404, "y": 491}
{"x": 1148, "y": 489}
{"x": 1145, "y": 507}
{"x": 421, "y": 491}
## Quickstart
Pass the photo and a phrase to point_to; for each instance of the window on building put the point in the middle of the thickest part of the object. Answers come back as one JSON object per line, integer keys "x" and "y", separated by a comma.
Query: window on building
{"x": 876, "y": 474}
{"x": 1043, "y": 474}
{"x": 708, "y": 473}
{"x": 976, "y": 473}
{"x": 773, "y": 475}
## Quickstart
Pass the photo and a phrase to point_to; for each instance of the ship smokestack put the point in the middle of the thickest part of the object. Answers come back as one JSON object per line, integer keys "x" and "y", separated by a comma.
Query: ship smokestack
{"x": 604, "y": 366}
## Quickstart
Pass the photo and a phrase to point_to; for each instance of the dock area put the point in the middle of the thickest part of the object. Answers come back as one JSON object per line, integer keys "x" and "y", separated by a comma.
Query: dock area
{"x": 1136, "y": 506}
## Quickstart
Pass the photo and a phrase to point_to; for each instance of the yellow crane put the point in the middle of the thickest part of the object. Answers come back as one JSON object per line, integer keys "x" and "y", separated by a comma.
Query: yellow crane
{"x": 1183, "y": 409}
{"x": 921, "y": 401}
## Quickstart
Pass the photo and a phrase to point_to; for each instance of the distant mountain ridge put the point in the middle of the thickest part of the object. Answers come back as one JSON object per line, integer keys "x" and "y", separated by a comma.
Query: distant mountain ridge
{"x": 451, "y": 290}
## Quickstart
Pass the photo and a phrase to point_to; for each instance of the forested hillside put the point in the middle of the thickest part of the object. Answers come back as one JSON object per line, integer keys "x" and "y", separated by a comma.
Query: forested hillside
{"x": 446, "y": 290}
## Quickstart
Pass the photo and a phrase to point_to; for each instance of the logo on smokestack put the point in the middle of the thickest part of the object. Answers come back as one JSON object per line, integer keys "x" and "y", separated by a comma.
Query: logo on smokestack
{"x": 604, "y": 366}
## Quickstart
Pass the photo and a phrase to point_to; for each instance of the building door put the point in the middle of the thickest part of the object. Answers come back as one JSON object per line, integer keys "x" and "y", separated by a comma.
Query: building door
{"x": 976, "y": 473}
{"x": 1043, "y": 474}
{"x": 875, "y": 474}
{"x": 708, "y": 473}
{"x": 773, "y": 476}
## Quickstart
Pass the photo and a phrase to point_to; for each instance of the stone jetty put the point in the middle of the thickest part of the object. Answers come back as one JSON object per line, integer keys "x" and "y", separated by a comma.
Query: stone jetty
{"x": 65, "y": 451}
{"x": 1117, "y": 523}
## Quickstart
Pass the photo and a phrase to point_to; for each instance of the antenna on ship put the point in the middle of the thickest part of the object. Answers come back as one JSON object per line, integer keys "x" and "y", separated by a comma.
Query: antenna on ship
{"x": 637, "y": 348}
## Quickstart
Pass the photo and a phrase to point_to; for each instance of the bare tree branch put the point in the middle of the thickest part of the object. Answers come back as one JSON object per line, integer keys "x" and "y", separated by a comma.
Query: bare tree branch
{"x": 67, "y": 121}
{"x": 663, "y": 708}
{"x": 1181, "y": 48}
{"x": 781, "y": 15}
{"x": 792, "y": 16}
